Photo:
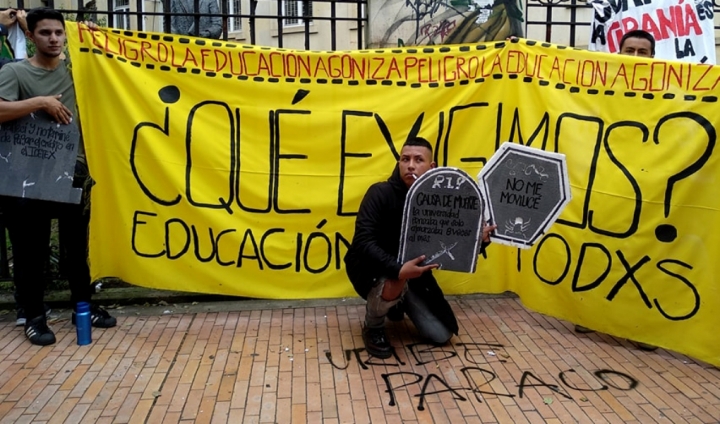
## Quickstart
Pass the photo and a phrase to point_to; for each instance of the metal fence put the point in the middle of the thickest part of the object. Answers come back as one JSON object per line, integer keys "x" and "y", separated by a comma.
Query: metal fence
{"x": 300, "y": 13}
{"x": 558, "y": 21}
{"x": 546, "y": 24}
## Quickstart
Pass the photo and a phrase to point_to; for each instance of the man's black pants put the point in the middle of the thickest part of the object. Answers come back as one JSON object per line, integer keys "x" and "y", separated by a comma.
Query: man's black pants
{"x": 28, "y": 222}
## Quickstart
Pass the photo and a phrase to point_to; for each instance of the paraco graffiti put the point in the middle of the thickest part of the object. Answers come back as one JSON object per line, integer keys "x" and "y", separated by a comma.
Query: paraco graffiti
{"x": 477, "y": 378}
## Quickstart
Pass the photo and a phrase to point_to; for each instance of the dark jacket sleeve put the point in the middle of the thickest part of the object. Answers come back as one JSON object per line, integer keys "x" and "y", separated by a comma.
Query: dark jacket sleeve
{"x": 483, "y": 246}
{"x": 213, "y": 25}
{"x": 369, "y": 231}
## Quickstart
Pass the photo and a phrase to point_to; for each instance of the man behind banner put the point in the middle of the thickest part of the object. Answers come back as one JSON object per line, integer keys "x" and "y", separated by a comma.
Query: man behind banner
{"x": 637, "y": 43}
{"x": 43, "y": 82}
{"x": 391, "y": 288}
{"x": 184, "y": 22}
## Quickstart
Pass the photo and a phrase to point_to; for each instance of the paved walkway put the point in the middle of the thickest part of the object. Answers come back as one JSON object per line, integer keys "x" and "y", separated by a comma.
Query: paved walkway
{"x": 279, "y": 364}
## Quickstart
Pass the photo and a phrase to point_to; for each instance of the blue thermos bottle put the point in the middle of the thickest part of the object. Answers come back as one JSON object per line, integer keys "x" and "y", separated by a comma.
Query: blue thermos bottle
{"x": 83, "y": 323}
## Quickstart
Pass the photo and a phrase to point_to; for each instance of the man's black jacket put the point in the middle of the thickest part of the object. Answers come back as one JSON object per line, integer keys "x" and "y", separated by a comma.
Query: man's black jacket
{"x": 375, "y": 246}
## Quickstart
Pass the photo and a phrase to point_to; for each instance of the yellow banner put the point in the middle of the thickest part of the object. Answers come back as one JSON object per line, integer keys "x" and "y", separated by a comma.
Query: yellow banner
{"x": 236, "y": 169}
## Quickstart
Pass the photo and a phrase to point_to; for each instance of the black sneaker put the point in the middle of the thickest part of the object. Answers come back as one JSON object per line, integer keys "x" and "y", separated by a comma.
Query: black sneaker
{"x": 583, "y": 330}
{"x": 22, "y": 319}
{"x": 644, "y": 346}
{"x": 376, "y": 343}
{"x": 37, "y": 331}
{"x": 99, "y": 318}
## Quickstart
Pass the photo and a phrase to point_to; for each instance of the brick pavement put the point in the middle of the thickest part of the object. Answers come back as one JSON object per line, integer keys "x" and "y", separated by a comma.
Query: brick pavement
{"x": 283, "y": 364}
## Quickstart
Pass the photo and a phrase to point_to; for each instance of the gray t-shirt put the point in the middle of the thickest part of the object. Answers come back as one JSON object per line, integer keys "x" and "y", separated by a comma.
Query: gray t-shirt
{"x": 21, "y": 81}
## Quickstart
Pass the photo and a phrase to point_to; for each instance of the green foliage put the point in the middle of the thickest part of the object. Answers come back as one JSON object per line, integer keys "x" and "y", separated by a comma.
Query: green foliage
{"x": 30, "y": 47}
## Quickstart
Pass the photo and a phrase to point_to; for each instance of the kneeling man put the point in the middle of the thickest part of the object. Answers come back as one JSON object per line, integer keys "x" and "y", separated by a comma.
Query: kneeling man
{"x": 392, "y": 288}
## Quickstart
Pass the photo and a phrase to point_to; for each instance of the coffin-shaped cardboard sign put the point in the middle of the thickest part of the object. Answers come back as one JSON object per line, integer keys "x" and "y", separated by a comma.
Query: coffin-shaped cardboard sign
{"x": 441, "y": 220}
{"x": 525, "y": 189}
{"x": 37, "y": 159}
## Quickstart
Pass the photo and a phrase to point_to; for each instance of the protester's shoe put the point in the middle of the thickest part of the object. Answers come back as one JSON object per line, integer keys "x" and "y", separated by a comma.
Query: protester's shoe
{"x": 38, "y": 332}
{"x": 396, "y": 313}
{"x": 644, "y": 346}
{"x": 22, "y": 319}
{"x": 99, "y": 318}
{"x": 583, "y": 330}
{"x": 376, "y": 343}
{"x": 433, "y": 343}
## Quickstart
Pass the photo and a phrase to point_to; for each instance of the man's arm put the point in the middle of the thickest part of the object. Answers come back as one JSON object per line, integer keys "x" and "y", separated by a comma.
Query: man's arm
{"x": 21, "y": 20}
{"x": 367, "y": 232}
{"x": 485, "y": 237}
{"x": 20, "y": 108}
{"x": 8, "y": 17}
{"x": 174, "y": 20}
{"x": 214, "y": 30}
{"x": 13, "y": 108}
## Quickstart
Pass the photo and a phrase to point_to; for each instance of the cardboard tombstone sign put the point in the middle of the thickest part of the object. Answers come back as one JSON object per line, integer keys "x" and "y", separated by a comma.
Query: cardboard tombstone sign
{"x": 526, "y": 190}
{"x": 37, "y": 159}
{"x": 441, "y": 220}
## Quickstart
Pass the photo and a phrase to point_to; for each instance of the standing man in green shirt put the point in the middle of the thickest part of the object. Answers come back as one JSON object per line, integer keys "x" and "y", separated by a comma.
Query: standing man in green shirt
{"x": 43, "y": 83}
